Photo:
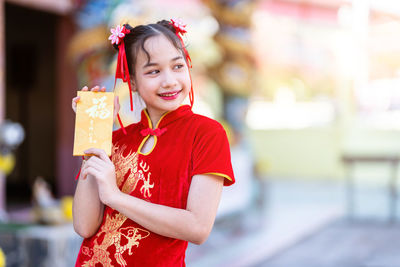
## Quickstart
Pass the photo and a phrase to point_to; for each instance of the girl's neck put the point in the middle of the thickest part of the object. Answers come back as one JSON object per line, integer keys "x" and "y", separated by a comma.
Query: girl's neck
{"x": 155, "y": 118}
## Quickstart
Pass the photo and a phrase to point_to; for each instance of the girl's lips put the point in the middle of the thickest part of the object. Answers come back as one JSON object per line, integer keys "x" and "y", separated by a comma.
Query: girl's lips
{"x": 170, "y": 95}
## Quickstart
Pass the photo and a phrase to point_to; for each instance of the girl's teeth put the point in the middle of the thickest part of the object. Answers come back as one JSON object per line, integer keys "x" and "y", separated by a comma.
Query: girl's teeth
{"x": 169, "y": 94}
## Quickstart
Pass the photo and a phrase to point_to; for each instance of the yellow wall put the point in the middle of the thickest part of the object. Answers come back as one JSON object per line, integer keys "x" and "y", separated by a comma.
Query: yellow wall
{"x": 315, "y": 152}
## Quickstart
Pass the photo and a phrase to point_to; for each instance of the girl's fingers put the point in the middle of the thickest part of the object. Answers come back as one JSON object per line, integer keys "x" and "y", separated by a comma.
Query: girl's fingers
{"x": 95, "y": 89}
{"x": 97, "y": 160}
{"x": 89, "y": 171}
{"x": 96, "y": 163}
{"x": 98, "y": 152}
{"x": 74, "y": 101}
{"x": 77, "y": 98}
{"x": 92, "y": 166}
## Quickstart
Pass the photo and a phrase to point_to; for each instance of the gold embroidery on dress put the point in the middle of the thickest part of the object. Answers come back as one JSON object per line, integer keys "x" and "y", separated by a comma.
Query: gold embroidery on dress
{"x": 145, "y": 189}
{"x": 129, "y": 164}
{"x": 111, "y": 229}
{"x": 113, "y": 235}
{"x": 86, "y": 251}
{"x": 123, "y": 165}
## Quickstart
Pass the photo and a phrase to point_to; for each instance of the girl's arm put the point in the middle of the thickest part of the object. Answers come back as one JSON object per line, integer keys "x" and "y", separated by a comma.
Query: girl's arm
{"x": 192, "y": 224}
{"x": 87, "y": 208}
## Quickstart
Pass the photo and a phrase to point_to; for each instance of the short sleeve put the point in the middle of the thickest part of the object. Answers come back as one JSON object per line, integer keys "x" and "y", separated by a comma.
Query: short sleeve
{"x": 211, "y": 154}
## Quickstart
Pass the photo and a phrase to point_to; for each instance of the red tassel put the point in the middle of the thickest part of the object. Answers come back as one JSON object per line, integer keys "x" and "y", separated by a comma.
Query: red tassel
{"x": 120, "y": 123}
{"x": 191, "y": 93}
{"x": 79, "y": 173}
{"x": 189, "y": 61}
{"x": 122, "y": 70}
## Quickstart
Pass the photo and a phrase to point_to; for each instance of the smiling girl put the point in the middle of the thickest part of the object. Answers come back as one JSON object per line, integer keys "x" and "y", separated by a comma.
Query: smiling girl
{"x": 162, "y": 185}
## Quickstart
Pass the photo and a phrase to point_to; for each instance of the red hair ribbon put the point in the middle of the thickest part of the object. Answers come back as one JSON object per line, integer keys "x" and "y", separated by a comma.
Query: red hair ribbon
{"x": 157, "y": 132}
{"x": 122, "y": 71}
{"x": 180, "y": 29}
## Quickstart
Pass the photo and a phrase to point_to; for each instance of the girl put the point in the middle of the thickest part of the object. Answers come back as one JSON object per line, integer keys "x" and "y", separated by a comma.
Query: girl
{"x": 162, "y": 185}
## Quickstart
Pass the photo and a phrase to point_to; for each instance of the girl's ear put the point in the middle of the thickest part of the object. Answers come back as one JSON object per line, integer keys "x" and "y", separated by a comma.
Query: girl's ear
{"x": 133, "y": 85}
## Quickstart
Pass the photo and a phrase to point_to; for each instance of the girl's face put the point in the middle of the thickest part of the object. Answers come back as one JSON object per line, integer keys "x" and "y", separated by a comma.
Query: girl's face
{"x": 164, "y": 81}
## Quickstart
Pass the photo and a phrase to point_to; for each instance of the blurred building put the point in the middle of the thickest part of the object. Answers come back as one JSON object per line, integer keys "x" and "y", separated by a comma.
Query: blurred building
{"x": 328, "y": 74}
{"x": 36, "y": 88}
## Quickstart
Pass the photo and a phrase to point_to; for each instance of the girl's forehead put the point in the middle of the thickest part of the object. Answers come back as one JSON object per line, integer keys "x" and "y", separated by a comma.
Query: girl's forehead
{"x": 159, "y": 46}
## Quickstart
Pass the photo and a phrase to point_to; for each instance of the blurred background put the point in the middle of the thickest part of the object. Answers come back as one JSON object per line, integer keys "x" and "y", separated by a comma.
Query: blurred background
{"x": 307, "y": 90}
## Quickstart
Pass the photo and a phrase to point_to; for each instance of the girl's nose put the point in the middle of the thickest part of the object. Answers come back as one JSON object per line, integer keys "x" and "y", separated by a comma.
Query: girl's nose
{"x": 169, "y": 80}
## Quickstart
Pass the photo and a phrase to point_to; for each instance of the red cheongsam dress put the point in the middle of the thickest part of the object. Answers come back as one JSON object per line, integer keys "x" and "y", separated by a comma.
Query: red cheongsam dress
{"x": 185, "y": 144}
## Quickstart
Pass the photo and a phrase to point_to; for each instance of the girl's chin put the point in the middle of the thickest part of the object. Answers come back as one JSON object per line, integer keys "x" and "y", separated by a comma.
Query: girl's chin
{"x": 167, "y": 107}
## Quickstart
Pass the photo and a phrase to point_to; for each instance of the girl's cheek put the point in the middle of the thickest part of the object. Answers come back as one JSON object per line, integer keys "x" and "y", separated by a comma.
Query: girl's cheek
{"x": 185, "y": 77}
{"x": 151, "y": 83}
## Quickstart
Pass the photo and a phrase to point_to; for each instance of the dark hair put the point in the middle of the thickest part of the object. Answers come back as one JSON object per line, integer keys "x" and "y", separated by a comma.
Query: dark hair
{"x": 138, "y": 35}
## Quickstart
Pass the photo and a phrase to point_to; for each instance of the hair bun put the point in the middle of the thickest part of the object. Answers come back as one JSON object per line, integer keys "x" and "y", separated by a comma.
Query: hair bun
{"x": 128, "y": 27}
{"x": 167, "y": 24}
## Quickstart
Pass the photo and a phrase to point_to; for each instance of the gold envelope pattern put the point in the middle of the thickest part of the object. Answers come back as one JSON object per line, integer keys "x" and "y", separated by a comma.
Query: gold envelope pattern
{"x": 94, "y": 121}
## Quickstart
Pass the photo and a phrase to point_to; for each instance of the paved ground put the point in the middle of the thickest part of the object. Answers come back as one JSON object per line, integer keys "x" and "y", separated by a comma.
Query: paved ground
{"x": 304, "y": 224}
{"x": 291, "y": 211}
{"x": 344, "y": 244}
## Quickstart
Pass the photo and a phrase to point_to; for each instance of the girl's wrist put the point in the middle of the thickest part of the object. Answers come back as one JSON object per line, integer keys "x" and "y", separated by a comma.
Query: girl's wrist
{"x": 113, "y": 198}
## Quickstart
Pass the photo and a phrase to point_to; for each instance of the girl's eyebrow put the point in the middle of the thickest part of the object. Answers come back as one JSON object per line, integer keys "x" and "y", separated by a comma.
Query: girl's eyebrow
{"x": 150, "y": 64}
{"x": 176, "y": 58}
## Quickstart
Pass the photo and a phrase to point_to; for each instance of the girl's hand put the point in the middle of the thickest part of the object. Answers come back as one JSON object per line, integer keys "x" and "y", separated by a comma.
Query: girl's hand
{"x": 85, "y": 88}
{"x": 97, "y": 89}
{"x": 100, "y": 167}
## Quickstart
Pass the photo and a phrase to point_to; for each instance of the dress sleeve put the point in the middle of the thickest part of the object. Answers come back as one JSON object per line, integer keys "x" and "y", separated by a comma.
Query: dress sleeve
{"x": 211, "y": 155}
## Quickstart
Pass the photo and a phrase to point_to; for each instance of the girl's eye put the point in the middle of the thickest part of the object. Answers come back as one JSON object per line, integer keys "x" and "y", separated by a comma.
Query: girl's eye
{"x": 152, "y": 72}
{"x": 178, "y": 66}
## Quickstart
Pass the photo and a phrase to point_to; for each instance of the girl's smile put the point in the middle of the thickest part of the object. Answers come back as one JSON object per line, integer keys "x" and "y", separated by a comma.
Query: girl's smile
{"x": 170, "y": 95}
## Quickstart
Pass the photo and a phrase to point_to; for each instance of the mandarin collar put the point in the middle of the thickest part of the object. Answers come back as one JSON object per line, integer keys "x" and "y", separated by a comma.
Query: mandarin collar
{"x": 167, "y": 118}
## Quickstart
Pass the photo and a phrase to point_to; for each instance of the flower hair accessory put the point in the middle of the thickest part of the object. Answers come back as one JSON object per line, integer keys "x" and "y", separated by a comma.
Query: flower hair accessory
{"x": 117, "y": 34}
{"x": 179, "y": 27}
{"x": 117, "y": 37}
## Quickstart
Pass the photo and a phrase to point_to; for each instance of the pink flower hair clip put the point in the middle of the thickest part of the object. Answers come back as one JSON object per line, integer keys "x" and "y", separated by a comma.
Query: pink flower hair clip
{"x": 117, "y": 34}
{"x": 179, "y": 26}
